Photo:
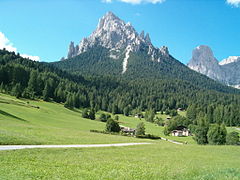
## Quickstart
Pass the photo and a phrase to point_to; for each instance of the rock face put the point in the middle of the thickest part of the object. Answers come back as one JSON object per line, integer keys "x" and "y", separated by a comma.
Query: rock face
{"x": 226, "y": 71}
{"x": 231, "y": 67}
{"x": 120, "y": 38}
{"x": 203, "y": 61}
{"x": 72, "y": 50}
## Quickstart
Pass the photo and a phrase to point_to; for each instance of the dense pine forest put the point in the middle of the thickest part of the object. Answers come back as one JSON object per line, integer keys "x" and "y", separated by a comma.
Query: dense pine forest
{"x": 24, "y": 78}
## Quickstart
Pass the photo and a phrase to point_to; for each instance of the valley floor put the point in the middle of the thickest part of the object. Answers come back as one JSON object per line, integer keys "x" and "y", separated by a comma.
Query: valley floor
{"x": 161, "y": 160}
{"x": 37, "y": 123}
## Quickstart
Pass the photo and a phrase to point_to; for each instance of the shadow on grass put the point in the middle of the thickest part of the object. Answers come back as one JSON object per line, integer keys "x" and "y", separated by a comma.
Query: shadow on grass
{"x": 74, "y": 110}
{"x": 10, "y": 115}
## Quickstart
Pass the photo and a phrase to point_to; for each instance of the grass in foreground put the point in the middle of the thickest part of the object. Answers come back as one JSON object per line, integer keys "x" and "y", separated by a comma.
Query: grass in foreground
{"x": 161, "y": 160}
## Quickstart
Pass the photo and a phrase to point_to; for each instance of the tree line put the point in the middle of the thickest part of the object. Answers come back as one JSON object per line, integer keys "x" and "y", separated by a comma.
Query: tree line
{"x": 34, "y": 80}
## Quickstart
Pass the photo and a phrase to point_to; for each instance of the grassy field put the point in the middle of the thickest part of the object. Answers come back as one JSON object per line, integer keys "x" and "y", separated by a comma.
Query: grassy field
{"x": 161, "y": 160}
{"x": 24, "y": 123}
{"x": 37, "y": 122}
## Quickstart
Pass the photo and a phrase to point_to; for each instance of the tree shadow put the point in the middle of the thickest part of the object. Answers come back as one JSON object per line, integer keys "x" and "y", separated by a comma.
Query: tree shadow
{"x": 10, "y": 115}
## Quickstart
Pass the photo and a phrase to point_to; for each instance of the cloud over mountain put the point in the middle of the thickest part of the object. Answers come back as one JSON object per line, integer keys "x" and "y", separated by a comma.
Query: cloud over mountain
{"x": 6, "y": 43}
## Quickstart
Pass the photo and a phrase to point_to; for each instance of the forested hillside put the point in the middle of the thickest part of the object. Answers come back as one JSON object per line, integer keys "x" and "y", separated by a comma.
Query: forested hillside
{"x": 24, "y": 78}
{"x": 97, "y": 61}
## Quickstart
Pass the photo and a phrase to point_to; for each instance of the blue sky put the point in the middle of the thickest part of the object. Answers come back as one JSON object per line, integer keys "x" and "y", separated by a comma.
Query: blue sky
{"x": 44, "y": 28}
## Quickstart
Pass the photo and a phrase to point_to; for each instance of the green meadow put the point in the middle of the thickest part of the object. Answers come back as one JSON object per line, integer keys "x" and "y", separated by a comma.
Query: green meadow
{"x": 22, "y": 122}
{"x": 160, "y": 160}
{"x": 38, "y": 122}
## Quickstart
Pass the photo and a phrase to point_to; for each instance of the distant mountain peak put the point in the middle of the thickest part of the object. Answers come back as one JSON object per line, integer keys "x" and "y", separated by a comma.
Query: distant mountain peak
{"x": 120, "y": 38}
{"x": 114, "y": 34}
{"x": 203, "y": 61}
{"x": 226, "y": 71}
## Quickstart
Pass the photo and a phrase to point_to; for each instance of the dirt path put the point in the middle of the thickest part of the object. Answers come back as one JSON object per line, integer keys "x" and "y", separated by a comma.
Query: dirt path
{"x": 14, "y": 147}
{"x": 169, "y": 140}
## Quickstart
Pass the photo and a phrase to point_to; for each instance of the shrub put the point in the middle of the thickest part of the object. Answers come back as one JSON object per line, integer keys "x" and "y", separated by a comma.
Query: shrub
{"x": 92, "y": 114}
{"x": 148, "y": 136}
{"x": 85, "y": 113}
{"x": 140, "y": 129}
{"x": 112, "y": 126}
{"x": 217, "y": 134}
{"x": 232, "y": 138}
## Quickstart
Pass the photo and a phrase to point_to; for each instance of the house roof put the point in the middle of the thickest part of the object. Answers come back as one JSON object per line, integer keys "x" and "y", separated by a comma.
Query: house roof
{"x": 181, "y": 128}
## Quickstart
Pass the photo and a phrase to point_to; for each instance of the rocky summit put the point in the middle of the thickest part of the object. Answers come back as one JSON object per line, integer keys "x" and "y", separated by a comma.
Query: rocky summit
{"x": 226, "y": 71}
{"x": 120, "y": 38}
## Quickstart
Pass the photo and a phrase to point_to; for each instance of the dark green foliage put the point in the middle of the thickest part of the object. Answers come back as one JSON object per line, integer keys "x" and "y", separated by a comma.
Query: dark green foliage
{"x": 174, "y": 123}
{"x": 92, "y": 114}
{"x": 140, "y": 130}
{"x": 173, "y": 112}
{"x": 200, "y": 131}
{"x": 116, "y": 118}
{"x": 232, "y": 138}
{"x": 149, "y": 115}
{"x": 192, "y": 112}
{"x": 112, "y": 126}
{"x": 46, "y": 92}
{"x": 217, "y": 134}
{"x": 69, "y": 102}
{"x": 103, "y": 117}
{"x": 159, "y": 121}
{"x": 148, "y": 136}
{"x": 85, "y": 113}
{"x": 126, "y": 111}
{"x": 17, "y": 90}
{"x": 114, "y": 109}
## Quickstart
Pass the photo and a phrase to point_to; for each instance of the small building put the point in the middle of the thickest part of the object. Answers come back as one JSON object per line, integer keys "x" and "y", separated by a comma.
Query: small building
{"x": 128, "y": 130}
{"x": 180, "y": 109}
{"x": 181, "y": 131}
{"x": 139, "y": 115}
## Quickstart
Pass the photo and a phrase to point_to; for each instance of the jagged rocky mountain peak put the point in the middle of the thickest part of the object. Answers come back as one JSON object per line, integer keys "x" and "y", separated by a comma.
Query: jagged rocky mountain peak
{"x": 227, "y": 71}
{"x": 72, "y": 50}
{"x": 203, "y": 61}
{"x": 120, "y": 38}
{"x": 164, "y": 50}
{"x": 203, "y": 52}
{"x": 142, "y": 35}
{"x": 109, "y": 22}
{"x": 114, "y": 34}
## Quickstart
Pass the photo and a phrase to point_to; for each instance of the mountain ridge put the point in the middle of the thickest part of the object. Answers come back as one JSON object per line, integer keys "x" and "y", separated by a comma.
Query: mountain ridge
{"x": 129, "y": 62}
{"x": 226, "y": 71}
{"x": 120, "y": 38}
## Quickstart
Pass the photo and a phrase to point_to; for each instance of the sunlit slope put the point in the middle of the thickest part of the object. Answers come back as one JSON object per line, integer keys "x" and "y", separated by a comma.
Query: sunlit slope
{"x": 38, "y": 122}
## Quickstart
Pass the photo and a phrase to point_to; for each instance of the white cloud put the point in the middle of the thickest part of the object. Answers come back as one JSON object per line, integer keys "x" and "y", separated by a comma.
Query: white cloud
{"x": 34, "y": 58}
{"x": 136, "y": 1}
{"x": 234, "y": 2}
{"x": 6, "y": 43}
